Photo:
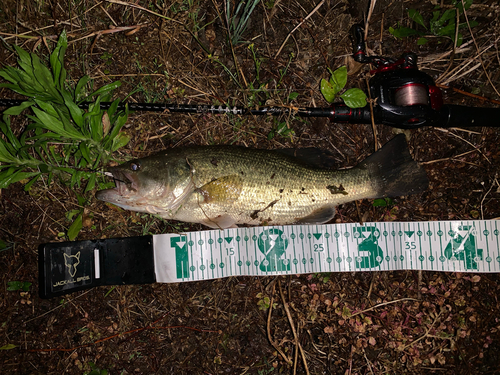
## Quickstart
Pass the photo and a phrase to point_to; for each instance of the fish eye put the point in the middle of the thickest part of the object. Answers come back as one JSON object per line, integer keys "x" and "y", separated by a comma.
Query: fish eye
{"x": 135, "y": 166}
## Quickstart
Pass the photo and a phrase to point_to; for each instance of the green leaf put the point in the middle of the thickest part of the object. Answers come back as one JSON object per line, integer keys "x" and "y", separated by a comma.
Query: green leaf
{"x": 106, "y": 88}
{"x": 5, "y": 155}
{"x": 45, "y": 78}
{"x": 8, "y": 347}
{"x": 113, "y": 107}
{"x": 448, "y": 30}
{"x": 293, "y": 95}
{"x": 75, "y": 228}
{"x": 9, "y": 177}
{"x": 96, "y": 126}
{"x": 71, "y": 213}
{"x": 82, "y": 201}
{"x": 417, "y": 17}
{"x": 57, "y": 60}
{"x": 46, "y": 107}
{"x": 449, "y": 14}
{"x": 13, "y": 144}
{"x": 52, "y": 123}
{"x": 121, "y": 140}
{"x": 383, "y": 202}
{"x": 84, "y": 149}
{"x": 24, "y": 57}
{"x": 339, "y": 78}
{"x": 27, "y": 187}
{"x": 14, "y": 111}
{"x": 75, "y": 112}
{"x": 421, "y": 41}
{"x": 354, "y": 98}
{"x": 79, "y": 87}
{"x": 327, "y": 90}
{"x": 13, "y": 286}
{"x": 117, "y": 125}
{"x": 467, "y": 3}
{"x": 403, "y": 32}
{"x": 91, "y": 183}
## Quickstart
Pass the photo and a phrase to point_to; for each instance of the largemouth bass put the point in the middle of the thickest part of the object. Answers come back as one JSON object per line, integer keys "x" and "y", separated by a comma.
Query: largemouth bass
{"x": 222, "y": 186}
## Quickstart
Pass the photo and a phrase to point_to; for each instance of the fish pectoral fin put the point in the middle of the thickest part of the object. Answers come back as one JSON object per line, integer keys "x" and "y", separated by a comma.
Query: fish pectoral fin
{"x": 319, "y": 216}
{"x": 224, "y": 189}
{"x": 220, "y": 222}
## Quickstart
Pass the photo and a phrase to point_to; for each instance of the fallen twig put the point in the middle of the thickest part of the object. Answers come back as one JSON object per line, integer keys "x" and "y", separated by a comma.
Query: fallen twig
{"x": 296, "y": 337}
{"x": 296, "y": 27}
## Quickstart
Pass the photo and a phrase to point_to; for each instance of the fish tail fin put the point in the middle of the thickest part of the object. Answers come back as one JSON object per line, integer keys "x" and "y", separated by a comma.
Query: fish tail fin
{"x": 394, "y": 172}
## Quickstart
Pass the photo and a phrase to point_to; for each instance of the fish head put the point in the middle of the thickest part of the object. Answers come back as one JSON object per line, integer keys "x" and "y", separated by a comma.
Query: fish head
{"x": 155, "y": 185}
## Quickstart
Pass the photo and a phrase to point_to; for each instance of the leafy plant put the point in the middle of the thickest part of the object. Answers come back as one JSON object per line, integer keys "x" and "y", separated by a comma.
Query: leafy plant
{"x": 13, "y": 286}
{"x": 237, "y": 19}
{"x": 61, "y": 139}
{"x": 353, "y": 98}
{"x": 4, "y": 245}
{"x": 264, "y": 302}
{"x": 8, "y": 347}
{"x": 442, "y": 24}
{"x": 94, "y": 370}
{"x": 383, "y": 202}
{"x": 280, "y": 128}
{"x": 76, "y": 217}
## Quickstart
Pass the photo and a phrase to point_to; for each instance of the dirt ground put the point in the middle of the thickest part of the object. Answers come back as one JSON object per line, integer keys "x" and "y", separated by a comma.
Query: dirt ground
{"x": 412, "y": 323}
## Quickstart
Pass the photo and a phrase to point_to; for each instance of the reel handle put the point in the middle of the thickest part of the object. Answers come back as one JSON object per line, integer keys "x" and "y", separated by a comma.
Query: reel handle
{"x": 357, "y": 37}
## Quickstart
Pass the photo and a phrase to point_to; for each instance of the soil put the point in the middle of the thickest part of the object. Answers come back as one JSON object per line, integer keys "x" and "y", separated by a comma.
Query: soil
{"x": 412, "y": 322}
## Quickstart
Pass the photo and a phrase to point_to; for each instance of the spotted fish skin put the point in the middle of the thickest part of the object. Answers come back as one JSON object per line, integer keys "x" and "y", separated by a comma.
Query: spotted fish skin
{"x": 223, "y": 186}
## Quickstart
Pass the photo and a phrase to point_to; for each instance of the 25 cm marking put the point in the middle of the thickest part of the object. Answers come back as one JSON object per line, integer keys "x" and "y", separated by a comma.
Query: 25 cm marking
{"x": 318, "y": 247}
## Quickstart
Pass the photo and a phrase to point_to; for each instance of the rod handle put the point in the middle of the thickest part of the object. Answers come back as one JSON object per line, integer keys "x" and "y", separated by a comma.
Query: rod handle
{"x": 462, "y": 116}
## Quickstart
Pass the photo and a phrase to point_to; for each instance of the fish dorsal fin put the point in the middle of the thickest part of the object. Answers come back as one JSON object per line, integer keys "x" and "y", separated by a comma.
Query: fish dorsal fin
{"x": 319, "y": 216}
{"x": 311, "y": 157}
{"x": 224, "y": 189}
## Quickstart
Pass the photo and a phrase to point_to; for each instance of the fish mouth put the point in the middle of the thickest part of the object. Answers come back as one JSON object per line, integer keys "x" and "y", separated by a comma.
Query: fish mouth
{"x": 126, "y": 185}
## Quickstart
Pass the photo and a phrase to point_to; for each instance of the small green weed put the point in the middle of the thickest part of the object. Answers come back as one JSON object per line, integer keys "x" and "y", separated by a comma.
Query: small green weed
{"x": 108, "y": 61}
{"x": 94, "y": 370}
{"x": 442, "y": 24}
{"x": 383, "y": 202}
{"x": 264, "y": 302}
{"x": 353, "y": 98}
{"x": 268, "y": 368}
{"x": 323, "y": 277}
{"x": 8, "y": 347}
{"x": 280, "y": 128}
{"x": 14, "y": 286}
{"x": 237, "y": 19}
{"x": 5, "y": 245}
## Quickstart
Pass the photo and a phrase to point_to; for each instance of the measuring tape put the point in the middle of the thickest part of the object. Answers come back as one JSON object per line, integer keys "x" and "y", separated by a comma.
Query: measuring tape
{"x": 452, "y": 246}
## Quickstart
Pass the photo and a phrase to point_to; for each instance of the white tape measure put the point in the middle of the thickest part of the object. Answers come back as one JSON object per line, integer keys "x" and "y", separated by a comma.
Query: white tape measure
{"x": 465, "y": 246}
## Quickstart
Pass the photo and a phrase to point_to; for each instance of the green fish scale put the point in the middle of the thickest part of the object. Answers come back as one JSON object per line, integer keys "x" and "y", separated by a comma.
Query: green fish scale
{"x": 273, "y": 188}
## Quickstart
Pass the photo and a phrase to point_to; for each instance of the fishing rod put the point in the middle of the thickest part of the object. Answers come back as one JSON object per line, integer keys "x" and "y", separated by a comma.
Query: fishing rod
{"x": 404, "y": 97}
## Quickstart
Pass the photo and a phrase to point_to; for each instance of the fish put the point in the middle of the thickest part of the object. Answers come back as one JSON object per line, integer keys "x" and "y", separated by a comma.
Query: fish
{"x": 226, "y": 186}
